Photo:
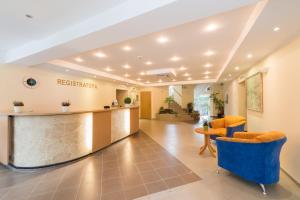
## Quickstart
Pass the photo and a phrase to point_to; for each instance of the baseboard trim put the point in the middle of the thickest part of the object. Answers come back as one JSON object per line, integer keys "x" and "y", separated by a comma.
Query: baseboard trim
{"x": 294, "y": 180}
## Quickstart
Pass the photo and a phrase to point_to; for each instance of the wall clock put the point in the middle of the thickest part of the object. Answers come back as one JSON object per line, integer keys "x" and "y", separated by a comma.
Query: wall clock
{"x": 30, "y": 82}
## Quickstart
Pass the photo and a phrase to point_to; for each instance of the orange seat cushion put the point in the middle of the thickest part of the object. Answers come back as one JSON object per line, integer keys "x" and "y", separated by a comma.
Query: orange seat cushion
{"x": 233, "y": 119}
{"x": 218, "y": 123}
{"x": 221, "y": 131}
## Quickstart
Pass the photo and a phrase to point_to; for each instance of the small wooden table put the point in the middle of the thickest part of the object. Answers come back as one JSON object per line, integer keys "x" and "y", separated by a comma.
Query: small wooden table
{"x": 207, "y": 143}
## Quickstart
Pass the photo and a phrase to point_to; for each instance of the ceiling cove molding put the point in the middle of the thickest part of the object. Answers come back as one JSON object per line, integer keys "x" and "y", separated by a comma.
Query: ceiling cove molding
{"x": 181, "y": 83}
{"x": 87, "y": 70}
{"x": 251, "y": 21}
{"x": 81, "y": 68}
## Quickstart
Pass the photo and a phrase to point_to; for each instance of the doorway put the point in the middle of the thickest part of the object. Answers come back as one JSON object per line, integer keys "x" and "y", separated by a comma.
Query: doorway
{"x": 120, "y": 95}
{"x": 145, "y": 105}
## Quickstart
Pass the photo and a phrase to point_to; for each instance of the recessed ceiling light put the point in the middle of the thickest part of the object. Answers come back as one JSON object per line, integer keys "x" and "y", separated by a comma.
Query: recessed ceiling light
{"x": 127, "y": 48}
{"x": 29, "y": 16}
{"x": 95, "y": 76}
{"x": 78, "y": 59}
{"x": 207, "y": 77}
{"x": 229, "y": 75}
{"x": 182, "y": 68}
{"x": 108, "y": 69}
{"x": 208, "y": 65}
{"x": 159, "y": 81}
{"x": 148, "y": 63}
{"x": 211, "y": 27}
{"x": 126, "y": 66}
{"x": 189, "y": 78}
{"x": 207, "y": 72}
{"x": 225, "y": 79}
{"x": 275, "y": 29}
{"x": 237, "y": 68}
{"x": 148, "y": 82}
{"x": 186, "y": 74}
{"x": 142, "y": 73}
{"x": 126, "y": 75}
{"x": 209, "y": 53}
{"x": 67, "y": 70}
{"x": 249, "y": 55}
{"x": 138, "y": 79}
{"x": 162, "y": 39}
{"x": 175, "y": 58}
{"x": 100, "y": 55}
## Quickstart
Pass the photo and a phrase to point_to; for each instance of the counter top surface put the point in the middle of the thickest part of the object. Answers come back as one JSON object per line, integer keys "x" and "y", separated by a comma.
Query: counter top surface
{"x": 33, "y": 113}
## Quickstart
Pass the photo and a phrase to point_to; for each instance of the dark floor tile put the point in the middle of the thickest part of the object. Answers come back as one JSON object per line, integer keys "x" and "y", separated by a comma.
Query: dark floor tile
{"x": 166, "y": 172}
{"x": 132, "y": 181}
{"x": 112, "y": 185}
{"x": 189, "y": 178}
{"x": 113, "y": 196}
{"x": 46, "y": 186}
{"x": 144, "y": 166}
{"x": 135, "y": 192}
{"x": 174, "y": 182}
{"x": 67, "y": 194}
{"x": 156, "y": 186}
{"x": 150, "y": 176}
{"x": 181, "y": 169}
{"x": 111, "y": 174}
{"x": 89, "y": 192}
{"x": 45, "y": 196}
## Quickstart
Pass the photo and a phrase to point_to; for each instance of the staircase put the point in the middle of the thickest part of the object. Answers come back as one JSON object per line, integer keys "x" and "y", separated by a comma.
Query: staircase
{"x": 182, "y": 114}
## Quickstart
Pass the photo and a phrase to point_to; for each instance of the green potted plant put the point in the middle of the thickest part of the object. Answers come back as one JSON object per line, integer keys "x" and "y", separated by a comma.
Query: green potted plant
{"x": 18, "y": 106}
{"x": 205, "y": 126}
{"x": 169, "y": 100}
{"x": 127, "y": 101}
{"x": 219, "y": 104}
{"x": 196, "y": 115}
{"x": 65, "y": 105}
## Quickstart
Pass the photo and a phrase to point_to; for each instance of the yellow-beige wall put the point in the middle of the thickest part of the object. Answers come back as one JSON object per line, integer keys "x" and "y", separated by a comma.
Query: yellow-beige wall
{"x": 281, "y": 102}
{"x": 49, "y": 95}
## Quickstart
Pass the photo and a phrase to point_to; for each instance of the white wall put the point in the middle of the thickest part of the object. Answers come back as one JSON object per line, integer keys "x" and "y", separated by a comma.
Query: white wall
{"x": 48, "y": 95}
{"x": 187, "y": 95}
{"x": 281, "y": 102}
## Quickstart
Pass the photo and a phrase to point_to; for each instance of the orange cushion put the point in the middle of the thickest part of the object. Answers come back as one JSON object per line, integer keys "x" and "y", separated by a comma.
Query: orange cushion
{"x": 271, "y": 136}
{"x": 221, "y": 131}
{"x": 233, "y": 119}
{"x": 218, "y": 123}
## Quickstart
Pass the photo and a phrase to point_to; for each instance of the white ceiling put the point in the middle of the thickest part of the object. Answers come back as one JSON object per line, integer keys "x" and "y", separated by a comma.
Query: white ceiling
{"x": 262, "y": 40}
{"x": 188, "y": 41}
{"x": 62, "y": 30}
{"x": 48, "y": 18}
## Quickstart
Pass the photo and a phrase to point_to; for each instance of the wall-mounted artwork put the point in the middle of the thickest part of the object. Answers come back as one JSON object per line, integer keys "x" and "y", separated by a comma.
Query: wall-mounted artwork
{"x": 254, "y": 86}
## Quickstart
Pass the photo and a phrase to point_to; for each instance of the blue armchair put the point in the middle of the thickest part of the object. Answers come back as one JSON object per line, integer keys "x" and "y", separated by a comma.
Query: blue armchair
{"x": 227, "y": 126}
{"x": 252, "y": 156}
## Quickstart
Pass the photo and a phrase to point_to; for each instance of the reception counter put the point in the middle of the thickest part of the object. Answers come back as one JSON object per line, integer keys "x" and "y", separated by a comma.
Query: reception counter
{"x": 41, "y": 139}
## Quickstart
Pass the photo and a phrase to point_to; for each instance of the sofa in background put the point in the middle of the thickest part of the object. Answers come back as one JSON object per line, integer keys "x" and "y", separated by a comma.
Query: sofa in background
{"x": 252, "y": 156}
{"x": 228, "y": 125}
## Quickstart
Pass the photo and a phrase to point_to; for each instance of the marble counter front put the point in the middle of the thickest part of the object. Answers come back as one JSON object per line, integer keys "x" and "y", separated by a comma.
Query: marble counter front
{"x": 41, "y": 139}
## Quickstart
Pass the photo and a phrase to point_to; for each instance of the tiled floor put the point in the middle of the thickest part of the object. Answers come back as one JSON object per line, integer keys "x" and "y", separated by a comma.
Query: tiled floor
{"x": 134, "y": 167}
{"x": 180, "y": 140}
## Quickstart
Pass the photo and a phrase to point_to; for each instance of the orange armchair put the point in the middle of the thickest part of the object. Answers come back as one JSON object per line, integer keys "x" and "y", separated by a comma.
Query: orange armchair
{"x": 228, "y": 125}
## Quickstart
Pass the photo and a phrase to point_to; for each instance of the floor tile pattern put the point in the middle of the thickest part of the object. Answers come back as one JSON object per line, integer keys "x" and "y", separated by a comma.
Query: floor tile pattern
{"x": 132, "y": 168}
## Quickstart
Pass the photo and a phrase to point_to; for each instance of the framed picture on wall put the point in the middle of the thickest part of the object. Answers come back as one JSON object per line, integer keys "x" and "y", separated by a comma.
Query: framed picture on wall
{"x": 254, "y": 85}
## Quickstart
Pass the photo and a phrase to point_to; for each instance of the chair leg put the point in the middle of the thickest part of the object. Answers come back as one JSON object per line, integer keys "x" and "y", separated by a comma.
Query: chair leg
{"x": 263, "y": 188}
{"x": 218, "y": 170}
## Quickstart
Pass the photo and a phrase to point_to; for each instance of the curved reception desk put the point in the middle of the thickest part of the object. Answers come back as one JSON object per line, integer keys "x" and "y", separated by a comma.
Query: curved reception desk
{"x": 30, "y": 140}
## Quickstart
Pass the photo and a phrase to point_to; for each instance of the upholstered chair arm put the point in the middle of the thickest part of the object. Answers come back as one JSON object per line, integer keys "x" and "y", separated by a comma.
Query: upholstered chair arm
{"x": 237, "y": 127}
{"x": 238, "y": 140}
{"x": 218, "y": 123}
{"x": 237, "y": 124}
{"x": 246, "y": 135}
